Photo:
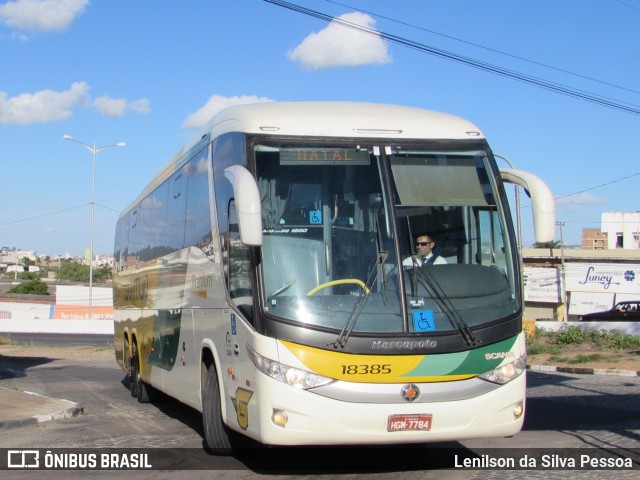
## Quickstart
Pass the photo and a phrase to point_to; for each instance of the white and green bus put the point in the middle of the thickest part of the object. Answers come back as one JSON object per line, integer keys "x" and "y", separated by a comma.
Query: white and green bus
{"x": 261, "y": 278}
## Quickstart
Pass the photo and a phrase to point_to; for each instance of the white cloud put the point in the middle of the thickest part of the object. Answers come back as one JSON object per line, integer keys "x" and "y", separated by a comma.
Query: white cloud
{"x": 42, "y": 107}
{"x": 340, "y": 46}
{"x": 111, "y": 107}
{"x": 582, "y": 199}
{"x": 141, "y": 106}
{"x": 41, "y": 15}
{"x": 117, "y": 107}
{"x": 215, "y": 104}
{"x": 50, "y": 106}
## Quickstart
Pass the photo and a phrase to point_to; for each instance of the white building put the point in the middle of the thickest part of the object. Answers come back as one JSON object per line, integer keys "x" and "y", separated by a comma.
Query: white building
{"x": 622, "y": 229}
{"x": 562, "y": 284}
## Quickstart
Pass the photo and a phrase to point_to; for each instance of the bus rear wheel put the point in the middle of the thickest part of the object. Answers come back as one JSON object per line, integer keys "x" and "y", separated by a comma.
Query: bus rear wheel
{"x": 217, "y": 435}
{"x": 137, "y": 386}
{"x": 129, "y": 367}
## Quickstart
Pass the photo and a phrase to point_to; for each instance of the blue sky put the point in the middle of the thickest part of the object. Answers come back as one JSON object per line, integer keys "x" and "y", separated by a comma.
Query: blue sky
{"x": 148, "y": 73}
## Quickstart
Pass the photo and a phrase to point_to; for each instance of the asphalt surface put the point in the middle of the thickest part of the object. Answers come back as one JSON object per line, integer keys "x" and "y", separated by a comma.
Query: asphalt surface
{"x": 23, "y": 408}
{"x": 592, "y": 411}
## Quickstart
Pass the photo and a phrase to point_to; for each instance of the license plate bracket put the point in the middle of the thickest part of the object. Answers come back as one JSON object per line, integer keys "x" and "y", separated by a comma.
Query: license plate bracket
{"x": 409, "y": 423}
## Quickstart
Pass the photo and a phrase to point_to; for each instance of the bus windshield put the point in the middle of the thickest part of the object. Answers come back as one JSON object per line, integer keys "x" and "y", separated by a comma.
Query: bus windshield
{"x": 341, "y": 241}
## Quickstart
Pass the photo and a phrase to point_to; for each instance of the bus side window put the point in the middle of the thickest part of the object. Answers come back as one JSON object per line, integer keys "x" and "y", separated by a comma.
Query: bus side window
{"x": 239, "y": 270}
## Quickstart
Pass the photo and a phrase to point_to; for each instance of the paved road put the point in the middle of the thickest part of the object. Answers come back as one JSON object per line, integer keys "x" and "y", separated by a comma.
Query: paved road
{"x": 564, "y": 412}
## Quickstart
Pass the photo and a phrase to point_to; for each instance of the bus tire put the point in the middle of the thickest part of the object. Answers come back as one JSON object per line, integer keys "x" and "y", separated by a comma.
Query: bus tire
{"x": 217, "y": 435}
{"x": 128, "y": 364}
{"x": 133, "y": 361}
{"x": 139, "y": 388}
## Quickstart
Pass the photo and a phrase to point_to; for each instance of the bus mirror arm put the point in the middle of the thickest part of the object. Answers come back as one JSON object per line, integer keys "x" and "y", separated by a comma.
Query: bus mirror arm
{"x": 247, "y": 198}
{"x": 543, "y": 205}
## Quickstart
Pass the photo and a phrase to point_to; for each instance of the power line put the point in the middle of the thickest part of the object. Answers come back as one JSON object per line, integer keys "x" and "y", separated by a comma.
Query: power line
{"x": 108, "y": 208}
{"x": 627, "y": 5}
{"x": 522, "y": 207}
{"x": 487, "y": 67}
{"x": 517, "y": 57}
{"x": 54, "y": 213}
{"x": 599, "y": 186}
{"x": 43, "y": 215}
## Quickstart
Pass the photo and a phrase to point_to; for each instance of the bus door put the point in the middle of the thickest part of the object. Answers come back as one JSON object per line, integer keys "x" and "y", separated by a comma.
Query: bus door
{"x": 235, "y": 362}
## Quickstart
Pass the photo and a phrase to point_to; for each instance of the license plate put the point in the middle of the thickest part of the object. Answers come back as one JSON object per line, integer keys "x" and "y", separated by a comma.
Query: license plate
{"x": 403, "y": 423}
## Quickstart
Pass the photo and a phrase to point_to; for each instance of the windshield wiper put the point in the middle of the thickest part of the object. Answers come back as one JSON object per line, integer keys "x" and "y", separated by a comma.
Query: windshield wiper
{"x": 361, "y": 300}
{"x": 446, "y": 305}
{"x": 378, "y": 265}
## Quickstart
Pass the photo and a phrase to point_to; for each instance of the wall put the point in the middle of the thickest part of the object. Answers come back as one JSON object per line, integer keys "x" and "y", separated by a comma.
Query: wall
{"x": 68, "y": 313}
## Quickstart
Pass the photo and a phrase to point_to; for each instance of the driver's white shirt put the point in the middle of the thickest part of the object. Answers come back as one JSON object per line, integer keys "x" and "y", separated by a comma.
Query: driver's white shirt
{"x": 409, "y": 262}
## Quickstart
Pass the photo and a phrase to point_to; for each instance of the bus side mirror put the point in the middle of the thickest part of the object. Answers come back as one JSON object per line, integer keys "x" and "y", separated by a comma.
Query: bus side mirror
{"x": 543, "y": 206}
{"x": 247, "y": 198}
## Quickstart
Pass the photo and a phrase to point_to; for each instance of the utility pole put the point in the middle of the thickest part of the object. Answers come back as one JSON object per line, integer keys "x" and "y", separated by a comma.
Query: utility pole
{"x": 562, "y": 273}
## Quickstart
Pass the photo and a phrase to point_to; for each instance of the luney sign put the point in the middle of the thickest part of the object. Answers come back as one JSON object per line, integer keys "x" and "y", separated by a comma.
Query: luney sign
{"x": 603, "y": 278}
{"x": 590, "y": 287}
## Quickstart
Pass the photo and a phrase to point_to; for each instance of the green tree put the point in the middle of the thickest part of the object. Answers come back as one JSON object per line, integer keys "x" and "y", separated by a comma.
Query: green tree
{"x": 33, "y": 287}
{"x": 73, "y": 271}
{"x": 102, "y": 273}
{"x": 78, "y": 272}
{"x": 27, "y": 276}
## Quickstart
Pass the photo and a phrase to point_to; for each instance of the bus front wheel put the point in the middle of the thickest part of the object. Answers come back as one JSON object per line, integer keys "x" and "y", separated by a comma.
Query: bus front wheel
{"x": 216, "y": 433}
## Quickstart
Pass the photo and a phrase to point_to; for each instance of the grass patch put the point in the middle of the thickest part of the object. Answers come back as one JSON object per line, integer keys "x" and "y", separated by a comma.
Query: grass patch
{"x": 542, "y": 341}
{"x": 7, "y": 341}
{"x": 581, "y": 359}
{"x": 555, "y": 358}
{"x": 571, "y": 345}
{"x": 543, "y": 349}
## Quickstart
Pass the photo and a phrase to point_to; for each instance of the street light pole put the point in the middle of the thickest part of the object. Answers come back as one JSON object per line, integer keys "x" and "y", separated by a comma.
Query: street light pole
{"x": 94, "y": 150}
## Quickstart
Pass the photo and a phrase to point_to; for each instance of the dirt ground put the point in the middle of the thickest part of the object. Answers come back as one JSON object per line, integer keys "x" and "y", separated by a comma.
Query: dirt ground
{"x": 57, "y": 352}
{"x": 589, "y": 356}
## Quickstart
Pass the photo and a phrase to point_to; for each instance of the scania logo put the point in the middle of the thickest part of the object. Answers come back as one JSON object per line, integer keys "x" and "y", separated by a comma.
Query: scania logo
{"x": 410, "y": 392}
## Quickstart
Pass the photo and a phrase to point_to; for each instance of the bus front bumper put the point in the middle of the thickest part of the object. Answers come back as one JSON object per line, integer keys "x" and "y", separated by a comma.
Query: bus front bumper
{"x": 283, "y": 415}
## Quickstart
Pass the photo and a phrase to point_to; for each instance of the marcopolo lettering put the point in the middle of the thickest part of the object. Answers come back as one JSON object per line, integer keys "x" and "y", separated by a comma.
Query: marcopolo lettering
{"x": 403, "y": 344}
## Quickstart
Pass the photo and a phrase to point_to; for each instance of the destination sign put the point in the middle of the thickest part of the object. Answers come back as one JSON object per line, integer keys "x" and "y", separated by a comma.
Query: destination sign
{"x": 323, "y": 156}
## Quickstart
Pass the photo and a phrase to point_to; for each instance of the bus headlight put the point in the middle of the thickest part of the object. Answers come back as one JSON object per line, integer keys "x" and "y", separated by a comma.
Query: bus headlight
{"x": 506, "y": 373}
{"x": 295, "y": 377}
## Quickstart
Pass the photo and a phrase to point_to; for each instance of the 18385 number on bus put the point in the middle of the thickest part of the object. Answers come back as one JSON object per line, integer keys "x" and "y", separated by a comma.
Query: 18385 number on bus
{"x": 366, "y": 369}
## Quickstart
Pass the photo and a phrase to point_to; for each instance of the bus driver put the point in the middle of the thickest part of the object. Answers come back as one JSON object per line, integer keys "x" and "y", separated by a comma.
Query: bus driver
{"x": 425, "y": 254}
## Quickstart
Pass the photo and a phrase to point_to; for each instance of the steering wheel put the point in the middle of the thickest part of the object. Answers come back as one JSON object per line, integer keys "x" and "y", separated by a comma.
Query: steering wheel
{"x": 342, "y": 281}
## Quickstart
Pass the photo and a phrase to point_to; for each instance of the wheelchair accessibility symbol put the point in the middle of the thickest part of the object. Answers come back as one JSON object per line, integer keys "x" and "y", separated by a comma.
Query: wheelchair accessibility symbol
{"x": 423, "y": 321}
{"x": 315, "y": 217}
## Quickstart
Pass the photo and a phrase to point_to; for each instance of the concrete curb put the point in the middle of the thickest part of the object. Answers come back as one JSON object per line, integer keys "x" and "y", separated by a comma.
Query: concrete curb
{"x": 583, "y": 370}
{"x": 29, "y": 408}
